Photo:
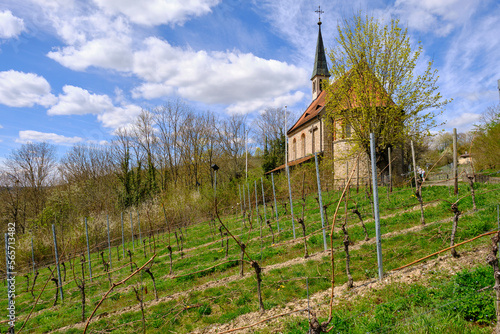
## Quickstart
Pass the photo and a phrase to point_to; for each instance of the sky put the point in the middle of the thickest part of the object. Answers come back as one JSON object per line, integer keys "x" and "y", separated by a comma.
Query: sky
{"x": 74, "y": 71}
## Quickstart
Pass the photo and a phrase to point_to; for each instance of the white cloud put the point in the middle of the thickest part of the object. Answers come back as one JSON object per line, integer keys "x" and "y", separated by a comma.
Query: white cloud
{"x": 1, "y": 126}
{"x": 19, "y": 89}
{"x": 120, "y": 116}
{"x": 465, "y": 120}
{"x": 439, "y": 17}
{"x": 256, "y": 104}
{"x": 31, "y": 136}
{"x": 213, "y": 78}
{"x": 110, "y": 53}
{"x": 79, "y": 101}
{"x": 10, "y": 26}
{"x": 156, "y": 12}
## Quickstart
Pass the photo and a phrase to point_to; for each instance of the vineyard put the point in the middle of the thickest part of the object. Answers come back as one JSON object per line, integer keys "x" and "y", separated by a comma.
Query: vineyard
{"x": 256, "y": 267}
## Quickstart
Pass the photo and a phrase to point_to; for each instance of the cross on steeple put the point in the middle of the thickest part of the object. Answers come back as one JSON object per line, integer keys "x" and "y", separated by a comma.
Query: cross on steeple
{"x": 319, "y": 11}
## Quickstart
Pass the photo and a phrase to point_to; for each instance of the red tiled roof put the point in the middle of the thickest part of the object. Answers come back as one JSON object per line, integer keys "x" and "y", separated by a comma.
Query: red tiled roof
{"x": 318, "y": 104}
{"x": 312, "y": 111}
{"x": 292, "y": 163}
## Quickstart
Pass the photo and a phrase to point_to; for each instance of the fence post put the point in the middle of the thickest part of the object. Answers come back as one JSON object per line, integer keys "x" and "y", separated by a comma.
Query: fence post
{"x": 132, "y": 231}
{"x": 249, "y": 203}
{"x": 244, "y": 199}
{"x": 390, "y": 169}
{"x": 275, "y": 206}
{"x": 88, "y": 249}
{"x": 109, "y": 242}
{"x": 414, "y": 165}
{"x": 139, "y": 223}
{"x": 239, "y": 192}
{"x": 33, "y": 255}
{"x": 263, "y": 199}
{"x": 57, "y": 263}
{"x": 290, "y": 196}
{"x": 375, "y": 206}
{"x": 123, "y": 237}
{"x": 320, "y": 200}
{"x": 498, "y": 223}
{"x": 257, "y": 212}
{"x": 455, "y": 158}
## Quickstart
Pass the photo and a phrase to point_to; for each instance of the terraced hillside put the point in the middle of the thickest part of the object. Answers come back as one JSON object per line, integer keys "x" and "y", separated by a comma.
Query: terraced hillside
{"x": 207, "y": 288}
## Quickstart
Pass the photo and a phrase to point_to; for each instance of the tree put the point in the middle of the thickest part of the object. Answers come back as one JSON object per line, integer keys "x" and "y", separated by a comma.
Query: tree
{"x": 376, "y": 87}
{"x": 274, "y": 153}
{"x": 231, "y": 137}
{"x": 486, "y": 142}
{"x": 270, "y": 135}
{"x": 29, "y": 169}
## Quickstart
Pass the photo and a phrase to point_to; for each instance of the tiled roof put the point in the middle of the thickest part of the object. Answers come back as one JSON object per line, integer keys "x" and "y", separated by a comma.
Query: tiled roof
{"x": 292, "y": 163}
{"x": 312, "y": 111}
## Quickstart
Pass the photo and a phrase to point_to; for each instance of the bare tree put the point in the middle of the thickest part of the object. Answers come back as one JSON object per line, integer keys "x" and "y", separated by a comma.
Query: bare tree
{"x": 270, "y": 124}
{"x": 232, "y": 139}
{"x": 31, "y": 167}
{"x": 170, "y": 119}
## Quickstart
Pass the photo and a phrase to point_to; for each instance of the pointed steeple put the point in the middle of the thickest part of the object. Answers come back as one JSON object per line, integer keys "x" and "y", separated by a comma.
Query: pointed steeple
{"x": 320, "y": 70}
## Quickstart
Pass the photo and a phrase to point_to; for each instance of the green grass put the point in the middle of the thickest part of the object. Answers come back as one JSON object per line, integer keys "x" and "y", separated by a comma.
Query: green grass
{"x": 188, "y": 309}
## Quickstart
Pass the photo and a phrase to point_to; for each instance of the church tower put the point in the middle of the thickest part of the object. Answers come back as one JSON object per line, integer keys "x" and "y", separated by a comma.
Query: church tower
{"x": 320, "y": 70}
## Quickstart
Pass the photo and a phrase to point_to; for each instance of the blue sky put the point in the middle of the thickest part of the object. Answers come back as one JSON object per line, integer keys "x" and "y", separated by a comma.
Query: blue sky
{"x": 74, "y": 71}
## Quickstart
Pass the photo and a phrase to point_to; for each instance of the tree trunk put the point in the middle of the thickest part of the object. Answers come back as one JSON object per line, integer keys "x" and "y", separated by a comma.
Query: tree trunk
{"x": 456, "y": 212}
{"x": 301, "y": 222}
{"x": 258, "y": 271}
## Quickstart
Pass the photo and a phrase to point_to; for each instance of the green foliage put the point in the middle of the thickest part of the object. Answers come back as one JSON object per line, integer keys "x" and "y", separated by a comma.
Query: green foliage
{"x": 474, "y": 305}
{"x": 486, "y": 145}
{"x": 274, "y": 155}
{"x": 376, "y": 88}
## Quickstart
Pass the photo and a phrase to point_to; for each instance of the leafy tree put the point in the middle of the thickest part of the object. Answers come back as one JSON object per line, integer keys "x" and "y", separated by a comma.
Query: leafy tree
{"x": 376, "y": 87}
{"x": 486, "y": 143}
{"x": 274, "y": 153}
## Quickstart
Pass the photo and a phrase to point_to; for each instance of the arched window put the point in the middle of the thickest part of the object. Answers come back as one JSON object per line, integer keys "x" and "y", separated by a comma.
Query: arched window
{"x": 303, "y": 144}
{"x": 347, "y": 130}
{"x": 294, "y": 149}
